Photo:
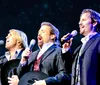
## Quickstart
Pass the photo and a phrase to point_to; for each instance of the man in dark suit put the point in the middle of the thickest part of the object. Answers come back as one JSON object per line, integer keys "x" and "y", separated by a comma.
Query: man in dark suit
{"x": 86, "y": 67}
{"x": 50, "y": 58}
{"x": 16, "y": 41}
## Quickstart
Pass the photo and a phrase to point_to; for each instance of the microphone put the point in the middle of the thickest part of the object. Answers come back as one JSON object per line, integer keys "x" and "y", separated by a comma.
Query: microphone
{"x": 1, "y": 42}
{"x": 73, "y": 33}
{"x": 31, "y": 45}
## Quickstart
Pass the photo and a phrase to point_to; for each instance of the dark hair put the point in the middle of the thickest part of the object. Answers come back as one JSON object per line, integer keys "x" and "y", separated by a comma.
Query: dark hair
{"x": 54, "y": 31}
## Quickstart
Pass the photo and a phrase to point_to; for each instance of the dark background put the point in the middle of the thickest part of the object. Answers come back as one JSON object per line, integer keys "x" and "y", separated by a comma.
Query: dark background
{"x": 27, "y": 16}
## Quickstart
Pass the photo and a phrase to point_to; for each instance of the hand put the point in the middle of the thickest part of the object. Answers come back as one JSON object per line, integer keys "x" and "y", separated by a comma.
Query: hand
{"x": 25, "y": 55}
{"x": 40, "y": 82}
{"x": 68, "y": 43}
{"x": 14, "y": 80}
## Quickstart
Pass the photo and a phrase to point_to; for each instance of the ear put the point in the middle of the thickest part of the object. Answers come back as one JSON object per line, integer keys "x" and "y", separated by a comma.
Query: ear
{"x": 18, "y": 43}
{"x": 95, "y": 23}
{"x": 53, "y": 36}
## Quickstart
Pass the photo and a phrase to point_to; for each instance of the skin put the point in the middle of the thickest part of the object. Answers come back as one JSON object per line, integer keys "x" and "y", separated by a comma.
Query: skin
{"x": 44, "y": 34}
{"x": 11, "y": 41}
{"x": 43, "y": 37}
{"x": 86, "y": 25}
{"x": 12, "y": 44}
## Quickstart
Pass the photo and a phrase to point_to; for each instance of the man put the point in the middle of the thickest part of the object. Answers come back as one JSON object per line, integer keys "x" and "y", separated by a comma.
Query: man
{"x": 86, "y": 67}
{"x": 50, "y": 62}
{"x": 16, "y": 41}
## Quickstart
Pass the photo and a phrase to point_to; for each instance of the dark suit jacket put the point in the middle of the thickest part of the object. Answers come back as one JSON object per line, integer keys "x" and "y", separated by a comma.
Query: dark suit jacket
{"x": 3, "y": 60}
{"x": 89, "y": 62}
{"x": 51, "y": 64}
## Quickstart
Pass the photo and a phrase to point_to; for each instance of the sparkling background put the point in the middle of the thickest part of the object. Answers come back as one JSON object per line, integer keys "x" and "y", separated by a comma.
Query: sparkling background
{"x": 27, "y": 16}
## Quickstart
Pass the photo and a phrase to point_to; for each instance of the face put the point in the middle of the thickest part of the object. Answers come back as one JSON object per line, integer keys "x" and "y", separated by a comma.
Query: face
{"x": 85, "y": 24}
{"x": 11, "y": 41}
{"x": 44, "y": 35}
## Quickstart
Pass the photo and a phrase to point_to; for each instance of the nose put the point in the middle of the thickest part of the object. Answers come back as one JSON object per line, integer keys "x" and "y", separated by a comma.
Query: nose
{"x": 39, "y": 33}
{"x": 80, "y": 23}
{"x": 7, "y": 36}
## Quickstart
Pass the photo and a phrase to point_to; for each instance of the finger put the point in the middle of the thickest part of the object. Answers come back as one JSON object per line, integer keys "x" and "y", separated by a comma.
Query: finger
{"x": 64, "y": 37}
{"x": 9, "y": 78}
{"x": 35, "y": 80}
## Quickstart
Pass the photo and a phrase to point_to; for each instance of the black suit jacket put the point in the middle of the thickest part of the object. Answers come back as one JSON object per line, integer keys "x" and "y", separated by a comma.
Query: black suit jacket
{"x": 89, "y": 62}
{"x": 51, "y": 64}
{"x": 3, "y": 60}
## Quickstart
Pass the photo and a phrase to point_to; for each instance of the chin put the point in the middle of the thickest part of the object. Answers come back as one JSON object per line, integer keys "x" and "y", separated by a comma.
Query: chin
{"x": 7, "y": 46}
{"x": 80, "y": 32}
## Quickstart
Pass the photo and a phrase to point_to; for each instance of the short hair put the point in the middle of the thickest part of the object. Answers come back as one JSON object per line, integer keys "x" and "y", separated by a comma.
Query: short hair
{"x": 95, "y": 16}
{"x": 21, "y": 36}
{"x": 54, "y": 30}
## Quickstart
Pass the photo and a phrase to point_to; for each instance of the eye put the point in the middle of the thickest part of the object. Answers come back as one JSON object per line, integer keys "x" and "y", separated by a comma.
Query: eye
{"x": 83, "y": 19}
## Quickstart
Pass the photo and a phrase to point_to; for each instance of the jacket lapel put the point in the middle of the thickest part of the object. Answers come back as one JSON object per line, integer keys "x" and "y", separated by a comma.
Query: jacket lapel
{"x": 89, "y": 43}
{"x": 19, "y": 55}
{"x": 48, "y": 52}
{"x": 77, "y": 50}
{"x": 33, "y": 56}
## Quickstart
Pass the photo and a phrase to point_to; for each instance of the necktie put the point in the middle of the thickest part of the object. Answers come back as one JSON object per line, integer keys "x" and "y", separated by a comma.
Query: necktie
{"x": 36, "y": 64}
{"x": 78, "y": 66}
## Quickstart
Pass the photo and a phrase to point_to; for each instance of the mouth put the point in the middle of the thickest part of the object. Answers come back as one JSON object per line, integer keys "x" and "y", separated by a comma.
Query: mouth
{"x": 7, "y": 40}
{"x": 39, "y": 37}
{"x": 81, "y": 27}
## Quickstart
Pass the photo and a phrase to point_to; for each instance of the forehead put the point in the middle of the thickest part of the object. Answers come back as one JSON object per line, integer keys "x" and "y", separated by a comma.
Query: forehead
{"x": 45, "y": 28}
{"x": 12, "y": 31}
{"x": 85, "y": 15}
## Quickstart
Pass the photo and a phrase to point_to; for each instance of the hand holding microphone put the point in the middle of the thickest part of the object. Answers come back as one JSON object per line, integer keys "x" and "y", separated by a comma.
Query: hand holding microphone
{"x": 66, "y": 40}
{"x": 27, "y": 51}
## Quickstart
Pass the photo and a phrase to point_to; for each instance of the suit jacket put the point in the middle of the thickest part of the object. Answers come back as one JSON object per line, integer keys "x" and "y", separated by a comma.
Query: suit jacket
{"x": 89, "y": 62}
{"x": 51, "y": 64}
{"x": 3, "y": 60}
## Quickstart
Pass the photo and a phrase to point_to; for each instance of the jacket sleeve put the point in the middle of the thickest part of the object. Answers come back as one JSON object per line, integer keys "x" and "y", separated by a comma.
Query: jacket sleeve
{"x": 62, "y": 78}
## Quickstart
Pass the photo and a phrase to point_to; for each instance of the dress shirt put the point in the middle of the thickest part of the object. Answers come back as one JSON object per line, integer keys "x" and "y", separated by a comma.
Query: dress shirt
{"x": 8, "y": 56}
{"x": 44, "y": 49}
{"x": 84, "y": 41}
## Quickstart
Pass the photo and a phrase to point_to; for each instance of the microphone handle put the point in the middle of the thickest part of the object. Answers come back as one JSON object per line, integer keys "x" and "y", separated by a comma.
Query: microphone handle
{"x": 66, "y": 39}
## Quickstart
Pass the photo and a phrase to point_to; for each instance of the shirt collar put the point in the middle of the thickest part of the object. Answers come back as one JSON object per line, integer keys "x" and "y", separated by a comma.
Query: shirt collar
{"x": 47, "y": 45}
{"x": 7, "y": 54}
{"x": 86, "y": 38}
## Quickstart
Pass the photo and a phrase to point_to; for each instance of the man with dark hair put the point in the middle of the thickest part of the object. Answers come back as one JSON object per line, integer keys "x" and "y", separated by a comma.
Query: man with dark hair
{"x": 86, "y": 67}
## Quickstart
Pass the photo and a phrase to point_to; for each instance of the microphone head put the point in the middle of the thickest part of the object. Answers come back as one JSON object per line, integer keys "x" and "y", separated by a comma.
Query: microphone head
{"x": 1, "y": 42}
{"x": 74, "y": 33}
{"x": 32, "y": 42}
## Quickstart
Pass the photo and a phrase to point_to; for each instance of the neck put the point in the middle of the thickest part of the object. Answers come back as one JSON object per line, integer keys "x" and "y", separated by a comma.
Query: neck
{"x": 12, "y": 51}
